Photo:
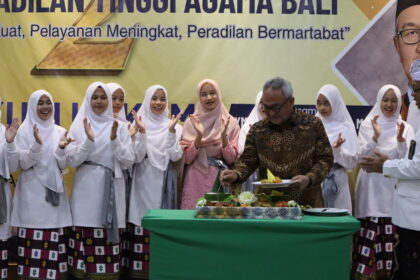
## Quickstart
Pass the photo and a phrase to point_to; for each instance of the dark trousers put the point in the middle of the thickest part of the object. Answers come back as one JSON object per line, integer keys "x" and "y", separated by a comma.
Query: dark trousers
{"x": 408, "y": 254}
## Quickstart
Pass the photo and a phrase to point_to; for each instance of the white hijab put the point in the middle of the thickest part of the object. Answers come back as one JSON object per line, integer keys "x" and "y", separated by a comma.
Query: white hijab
{"x": 46, "y": 170}
{"x": 4, "y": 170}
{"x": 387, "y": 141}
{"x": 156, "y": 129}
{"x": 339, "y": 121}
{"x": 253, "y": 117}
{"x": 122, "y": 114}
{"x": 101, "y": 126}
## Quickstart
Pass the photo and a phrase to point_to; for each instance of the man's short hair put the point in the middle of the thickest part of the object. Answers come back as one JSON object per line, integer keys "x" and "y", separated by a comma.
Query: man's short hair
{"x": 405, "y": 4}
{"x": 401, "y": 6}
{"x": 278, "y": 83}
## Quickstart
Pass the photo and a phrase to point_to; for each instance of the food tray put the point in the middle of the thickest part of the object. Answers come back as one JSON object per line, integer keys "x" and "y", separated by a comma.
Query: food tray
{"x": 222, "y": 212}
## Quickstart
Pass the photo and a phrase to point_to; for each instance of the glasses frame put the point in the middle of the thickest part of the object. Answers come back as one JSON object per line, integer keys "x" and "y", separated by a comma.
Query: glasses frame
{"x": 399, "y": 34}
{"x": 274, "y": 108}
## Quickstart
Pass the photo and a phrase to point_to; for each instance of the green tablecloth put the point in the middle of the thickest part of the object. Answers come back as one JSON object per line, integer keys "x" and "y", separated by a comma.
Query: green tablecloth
{"x": 183, "y": 247}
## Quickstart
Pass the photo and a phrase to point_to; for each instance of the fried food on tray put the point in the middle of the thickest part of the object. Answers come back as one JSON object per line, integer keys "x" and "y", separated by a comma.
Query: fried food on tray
{"x": 274, "y": 180}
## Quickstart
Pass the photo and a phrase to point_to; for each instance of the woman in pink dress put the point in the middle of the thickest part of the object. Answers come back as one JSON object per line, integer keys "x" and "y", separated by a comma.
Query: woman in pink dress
{"x": 210, "y": 133}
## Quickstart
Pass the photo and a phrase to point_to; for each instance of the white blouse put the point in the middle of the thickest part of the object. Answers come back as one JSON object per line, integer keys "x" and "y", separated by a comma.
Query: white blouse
{"x": 148, "y": 181}
{"x": 374, "y": 193}
{"x": 5, "y": 162}
{"x": 343, "y": 199}
{"x": 88, "y": 185}
{"x": 30, "y": 208}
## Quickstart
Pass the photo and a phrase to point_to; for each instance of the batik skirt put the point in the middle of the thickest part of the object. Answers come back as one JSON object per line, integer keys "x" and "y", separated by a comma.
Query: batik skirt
{"x": 3, "y": 259}
{"x": 373, "y": 249}
{"x": 91, "y": 256}
{"x": 42, "y": 253}
{"x": 136, "y": 252}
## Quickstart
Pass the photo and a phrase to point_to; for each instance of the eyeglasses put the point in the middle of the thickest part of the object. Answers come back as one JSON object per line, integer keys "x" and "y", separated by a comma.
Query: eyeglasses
{"x": 410, "y": 36}
{"x": 274, "y": 108}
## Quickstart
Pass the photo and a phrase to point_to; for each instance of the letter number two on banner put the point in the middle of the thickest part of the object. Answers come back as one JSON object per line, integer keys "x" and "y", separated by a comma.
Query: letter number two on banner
{"x": 77, "y": 56}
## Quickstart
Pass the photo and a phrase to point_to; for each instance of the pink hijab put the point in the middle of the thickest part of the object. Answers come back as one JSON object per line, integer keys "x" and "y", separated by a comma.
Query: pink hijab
{"x": 211, "y": 143}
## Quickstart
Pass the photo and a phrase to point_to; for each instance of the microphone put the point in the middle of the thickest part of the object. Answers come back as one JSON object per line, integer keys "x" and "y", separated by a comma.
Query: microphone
{"x": 412, "y": 149}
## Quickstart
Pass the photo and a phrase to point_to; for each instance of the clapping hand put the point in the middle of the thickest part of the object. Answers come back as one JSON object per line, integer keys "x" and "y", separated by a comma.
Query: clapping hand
{"x": 132, "y": 129}
{"x": 114, "y": 130}
{"x": 139, "y": 122}
{"x": 376, "y": 128}
{"x": 224, "y": 127}
{"x": 197, "y": 125}
{"x": 11, "y": 130}
{"x": 223, "y": 131}
{"x": 88, "y": 130}
{"x": 36, "y": 135}
{"x": 64, "y": 140}
{"x": 400, "y": 128}
{"x": 339, "y": 141}
{"x": 174, "y": 121}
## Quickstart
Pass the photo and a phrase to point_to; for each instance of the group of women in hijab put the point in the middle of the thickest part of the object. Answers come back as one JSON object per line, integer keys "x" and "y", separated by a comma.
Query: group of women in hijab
{"x": 122, "y": 170}
{"x": 382, "y": 131}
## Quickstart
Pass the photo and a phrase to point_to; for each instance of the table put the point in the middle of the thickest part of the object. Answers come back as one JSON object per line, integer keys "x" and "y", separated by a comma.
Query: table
{"x": 183, "y": 247}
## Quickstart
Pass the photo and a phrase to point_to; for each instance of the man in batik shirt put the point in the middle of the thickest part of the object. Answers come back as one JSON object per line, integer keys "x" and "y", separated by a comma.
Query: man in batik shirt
{"x": 291, "y": 144}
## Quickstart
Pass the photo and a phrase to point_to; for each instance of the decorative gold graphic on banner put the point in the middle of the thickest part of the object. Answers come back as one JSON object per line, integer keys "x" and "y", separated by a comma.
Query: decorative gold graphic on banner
{"x": 370, "y": 7}
{"x": 77, "y": 56}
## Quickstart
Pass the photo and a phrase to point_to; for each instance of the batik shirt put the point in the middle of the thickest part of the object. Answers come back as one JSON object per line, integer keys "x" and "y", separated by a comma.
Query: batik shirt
{"x": 299, "y": 146}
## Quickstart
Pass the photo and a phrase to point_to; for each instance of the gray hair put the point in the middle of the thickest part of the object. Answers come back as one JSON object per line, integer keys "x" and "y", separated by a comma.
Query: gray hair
{"x": 278, "y": 83}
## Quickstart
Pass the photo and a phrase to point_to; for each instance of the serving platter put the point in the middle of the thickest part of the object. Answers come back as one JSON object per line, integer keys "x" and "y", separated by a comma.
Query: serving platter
{"x": 326, "y": 211}
{"x": 284, "y": 184}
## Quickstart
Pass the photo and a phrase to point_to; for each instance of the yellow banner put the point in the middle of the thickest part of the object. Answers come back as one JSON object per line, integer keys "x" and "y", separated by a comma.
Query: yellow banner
{"x": 64, "y": 45}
